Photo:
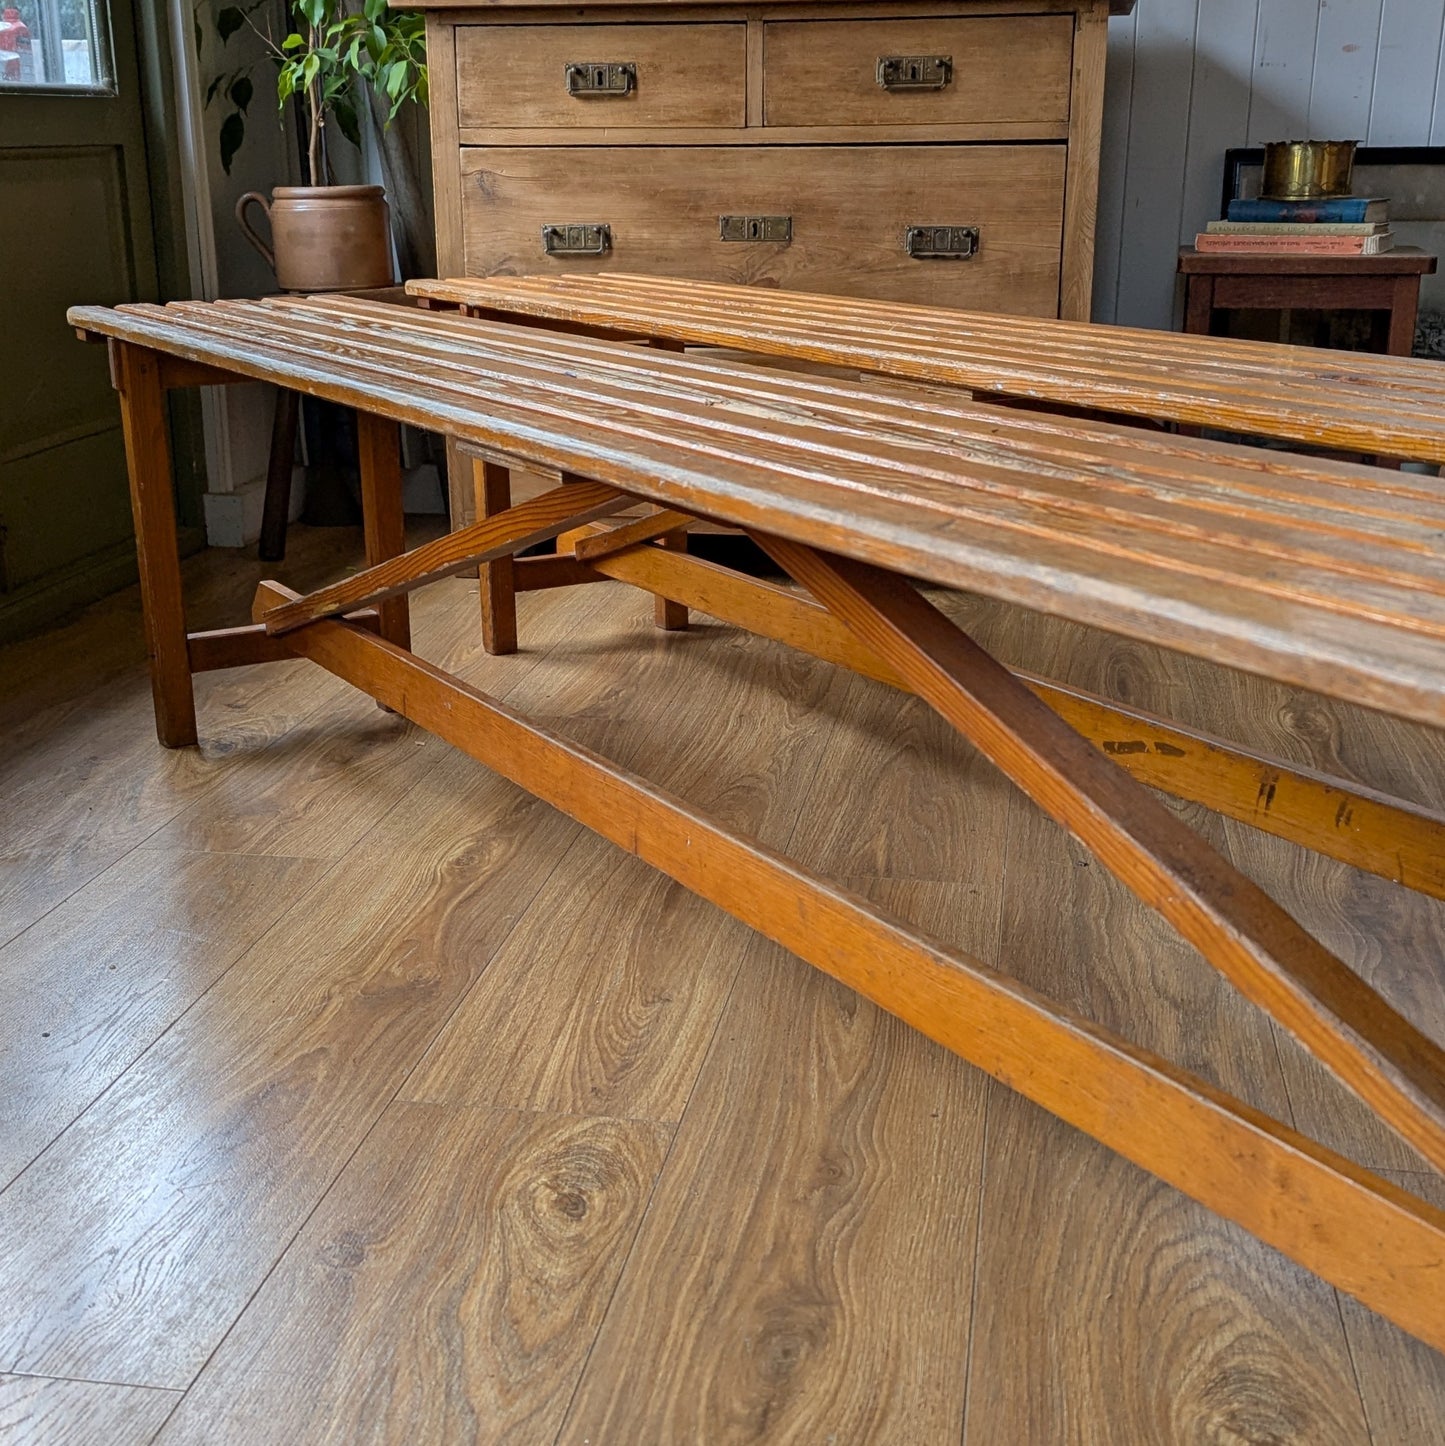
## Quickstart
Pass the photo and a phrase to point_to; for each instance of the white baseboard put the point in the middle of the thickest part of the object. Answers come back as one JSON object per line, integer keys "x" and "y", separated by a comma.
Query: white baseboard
{"x": 233, "y": 519}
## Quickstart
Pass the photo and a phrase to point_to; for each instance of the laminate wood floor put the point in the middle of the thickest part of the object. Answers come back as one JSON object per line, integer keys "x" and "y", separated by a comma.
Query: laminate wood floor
{"x": 348, "y": 1094}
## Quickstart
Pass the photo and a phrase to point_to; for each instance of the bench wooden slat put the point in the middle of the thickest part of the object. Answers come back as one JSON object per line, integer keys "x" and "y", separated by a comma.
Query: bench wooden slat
{"x": 1059, "y": 518}
{"x": 1009, "y": 473}
{"x": 1140, "y": 531}
{"x": 1071, "y": 478}
{"x": 1347, "y": 400}
{"x": 1219, "y": 360}
{"x": 1175, "y": 467}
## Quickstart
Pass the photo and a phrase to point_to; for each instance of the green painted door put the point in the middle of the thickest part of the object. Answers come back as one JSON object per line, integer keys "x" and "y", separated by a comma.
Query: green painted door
{"x": 75, "y": 226}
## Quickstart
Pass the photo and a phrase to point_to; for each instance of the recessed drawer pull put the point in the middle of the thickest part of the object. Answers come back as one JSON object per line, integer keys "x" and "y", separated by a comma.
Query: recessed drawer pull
{"x": 601, "y": 77}
{"x": 576, "y": 239}
{"x": 914, "y": 72}
{"x": 941, "y": 243}
{"x": 755, "y": 228}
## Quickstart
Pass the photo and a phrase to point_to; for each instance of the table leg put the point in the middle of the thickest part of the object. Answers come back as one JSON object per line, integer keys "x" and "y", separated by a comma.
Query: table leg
{"x": 1199, "y": 304}
{"x": 1400, "y": 339}
{"x": 498, "y": 590}
{"x": 278, "y": 477}
{"x": 145, "y": 421}
{"x": 666, "y": 614}
{"x": 379, "y": 448}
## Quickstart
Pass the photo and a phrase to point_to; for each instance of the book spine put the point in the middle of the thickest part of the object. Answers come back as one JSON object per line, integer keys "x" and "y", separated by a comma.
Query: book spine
{"x": 1343, "y": 208}
{"x": 1295, "y": 228}
{"x": 1293, "y": 245}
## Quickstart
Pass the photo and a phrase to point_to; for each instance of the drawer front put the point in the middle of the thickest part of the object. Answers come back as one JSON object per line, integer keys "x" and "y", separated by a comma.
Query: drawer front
{"x": 595, "y": 76}
{"x": 988, "y": 71}
{"x": 847, "y": 212}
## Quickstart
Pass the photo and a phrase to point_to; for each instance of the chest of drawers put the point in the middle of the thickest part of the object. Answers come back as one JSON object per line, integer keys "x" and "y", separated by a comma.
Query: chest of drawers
{"x": 942, "y": 153}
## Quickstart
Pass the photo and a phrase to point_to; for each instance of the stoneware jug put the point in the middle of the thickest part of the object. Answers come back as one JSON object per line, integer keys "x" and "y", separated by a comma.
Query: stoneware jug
{"x": 323, "y": 238}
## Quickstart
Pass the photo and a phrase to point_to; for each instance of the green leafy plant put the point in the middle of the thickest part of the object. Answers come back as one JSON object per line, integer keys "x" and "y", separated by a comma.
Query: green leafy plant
{"x": 328, "y": 52}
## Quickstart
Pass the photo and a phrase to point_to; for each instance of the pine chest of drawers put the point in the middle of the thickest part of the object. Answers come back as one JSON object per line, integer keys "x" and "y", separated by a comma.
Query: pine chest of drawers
{"x": 934, "y": 153}
{"x": 923, "y": 152}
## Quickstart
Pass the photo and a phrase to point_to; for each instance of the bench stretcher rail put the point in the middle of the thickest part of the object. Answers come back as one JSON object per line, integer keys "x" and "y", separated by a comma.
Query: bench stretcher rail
{"x": 854, "y": 491}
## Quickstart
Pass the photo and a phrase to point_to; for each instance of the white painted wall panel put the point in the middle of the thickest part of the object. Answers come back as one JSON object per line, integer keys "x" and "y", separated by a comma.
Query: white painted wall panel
{"x": 1405, "y": 72}
{"x": 1119, "y": 86}
{"x": 1187, "y": 79}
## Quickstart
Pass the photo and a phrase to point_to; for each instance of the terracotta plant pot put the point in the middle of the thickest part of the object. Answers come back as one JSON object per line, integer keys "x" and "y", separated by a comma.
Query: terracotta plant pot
{"x": 325, "y": 238}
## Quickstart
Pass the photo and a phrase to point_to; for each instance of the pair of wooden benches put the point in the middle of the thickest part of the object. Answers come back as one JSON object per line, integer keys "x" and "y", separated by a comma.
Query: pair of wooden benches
{"x": 1321, "y": 574}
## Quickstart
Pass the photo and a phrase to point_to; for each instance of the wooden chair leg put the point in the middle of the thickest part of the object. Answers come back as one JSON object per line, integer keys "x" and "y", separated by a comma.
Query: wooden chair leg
{"x": 144, "y": 419}
{"x": 379, "y": 448}
{"x": 277, "y": 507}
{"x": 497, "y": 582}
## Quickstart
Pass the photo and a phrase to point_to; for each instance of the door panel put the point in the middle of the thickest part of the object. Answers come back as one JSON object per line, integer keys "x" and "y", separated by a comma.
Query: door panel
{"x": 75, "y": 226}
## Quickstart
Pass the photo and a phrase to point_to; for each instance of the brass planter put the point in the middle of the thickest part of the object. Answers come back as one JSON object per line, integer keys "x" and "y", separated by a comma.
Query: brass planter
{"x": 1307, "y": 170}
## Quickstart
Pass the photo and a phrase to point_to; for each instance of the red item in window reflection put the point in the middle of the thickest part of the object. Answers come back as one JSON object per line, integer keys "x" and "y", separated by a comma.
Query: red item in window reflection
{"x": 14, "y": 38}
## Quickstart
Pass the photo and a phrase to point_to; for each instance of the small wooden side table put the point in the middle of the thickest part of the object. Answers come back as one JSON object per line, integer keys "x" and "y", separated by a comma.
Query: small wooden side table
{"x": 1387, "y": 285}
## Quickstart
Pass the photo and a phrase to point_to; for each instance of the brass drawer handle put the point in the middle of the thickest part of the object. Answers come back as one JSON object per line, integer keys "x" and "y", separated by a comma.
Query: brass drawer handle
{"x": 755, "y": 228}
{"x": 914, "y": 72}
{"x": 573, "y": 238}
{"x": 601, "y": 77}
{"x": 941, "y": 243}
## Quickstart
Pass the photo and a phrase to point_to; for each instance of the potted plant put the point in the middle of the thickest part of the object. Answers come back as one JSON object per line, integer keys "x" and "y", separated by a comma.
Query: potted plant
{"x": 325, "y": 237}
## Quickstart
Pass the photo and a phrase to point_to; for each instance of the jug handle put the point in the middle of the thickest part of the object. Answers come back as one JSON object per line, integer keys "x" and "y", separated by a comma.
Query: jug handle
{"x": 245, "y": 225}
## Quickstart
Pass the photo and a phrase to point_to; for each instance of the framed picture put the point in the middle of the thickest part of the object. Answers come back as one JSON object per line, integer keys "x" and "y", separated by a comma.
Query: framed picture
{"x": 1412, "y": 177}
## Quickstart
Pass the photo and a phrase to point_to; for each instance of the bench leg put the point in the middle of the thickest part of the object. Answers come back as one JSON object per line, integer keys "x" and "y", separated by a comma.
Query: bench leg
{"x": 379, "y": 448}
{"x": 275, "y": 514}
{"x": 498, "y": 588}
{"x": 666, "y": 614}
{"x": 136, "y": 373}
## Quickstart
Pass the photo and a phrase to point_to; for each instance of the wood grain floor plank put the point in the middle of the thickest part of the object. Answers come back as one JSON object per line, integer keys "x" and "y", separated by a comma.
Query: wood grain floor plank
{"x": 903, "y": 796}
{"x": 805, "y": 1270}
{"x": 34, "y": 881}
{"x": 1110, "y": 1308}
{"x": 447, "y": 1289}
{"x": 130, "y": 1246}
{"x": 1384, "y": 933}
{"x": 95, "y": 982}
{"x": 313, "y": 791}
{"x": 741, "y": 714}
{"x": 605, "y": 998}
{"x": 806, "y": 1266}
{"x": 1134, "y": 1314}
{"x": 1401, "y": 1381}
{"x": 44, "y": 1411}
{"x": 602, "y": 1002}
{"x": 80, "y": 783}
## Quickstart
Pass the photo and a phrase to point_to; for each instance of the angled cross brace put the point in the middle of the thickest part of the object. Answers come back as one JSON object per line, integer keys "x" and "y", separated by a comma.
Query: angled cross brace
{"x": 532, "y": 521}
{"x": 631, "y": 534}
{"x": 1390, "y": 837}
{"x": 1239, "y": 929}
{"x": 1350, "y": 1227}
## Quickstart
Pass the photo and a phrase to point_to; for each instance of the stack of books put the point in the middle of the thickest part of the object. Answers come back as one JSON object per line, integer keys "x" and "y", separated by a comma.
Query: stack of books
{"x": 1343, "y": 226}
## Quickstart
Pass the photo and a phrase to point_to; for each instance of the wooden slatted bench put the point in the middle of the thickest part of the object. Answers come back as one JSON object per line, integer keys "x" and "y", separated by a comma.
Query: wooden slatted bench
{"x": 1313, "y": 573}
{"x": 1362, "y": 403}
{"x": 1352, "y": 401}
